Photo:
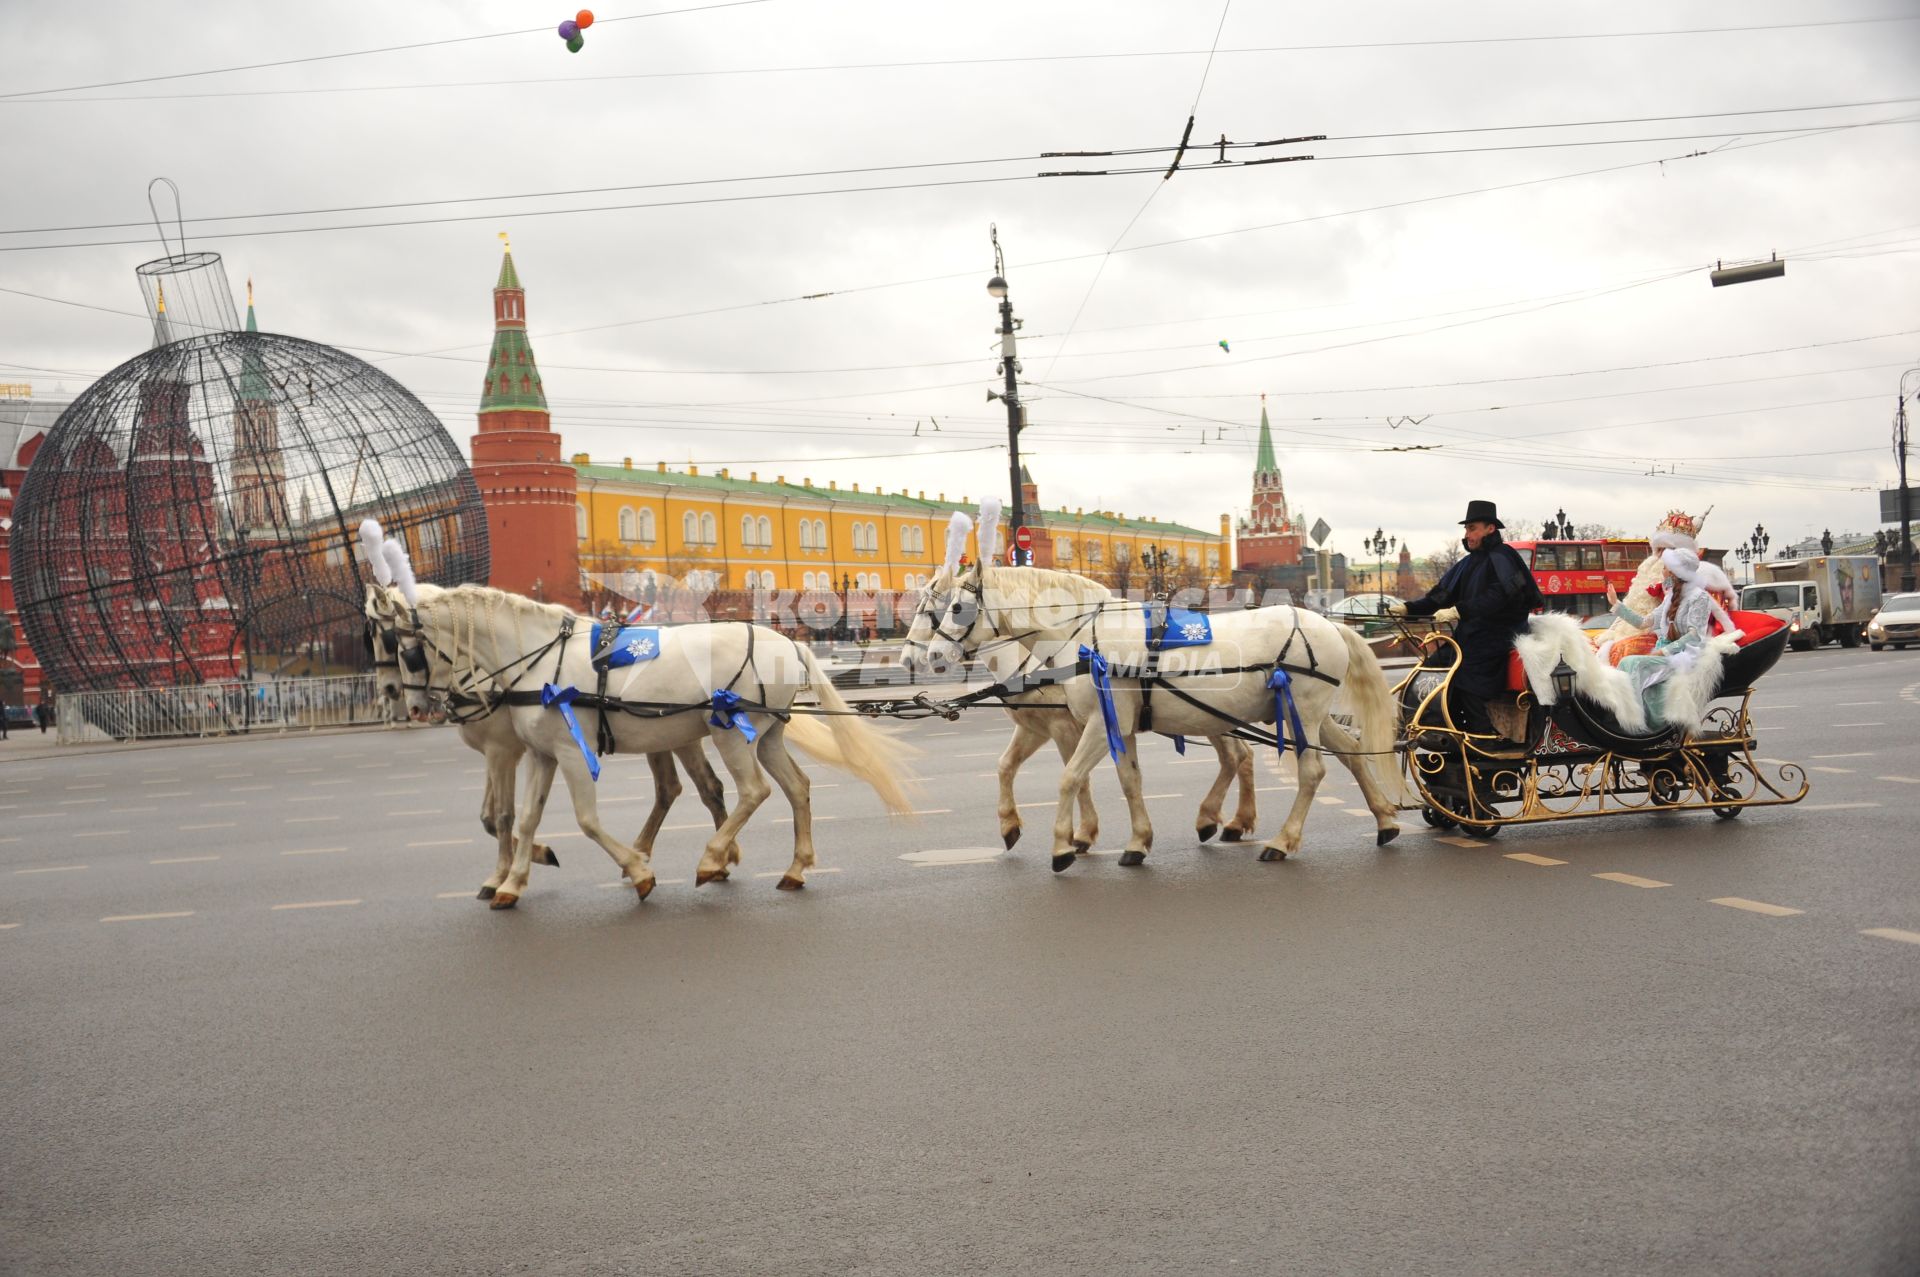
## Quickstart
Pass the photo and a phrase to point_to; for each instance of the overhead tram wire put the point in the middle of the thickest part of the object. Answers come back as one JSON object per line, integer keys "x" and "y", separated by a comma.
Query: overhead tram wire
{"x": 362, "y": 53}
{"x": 40, "y": 95}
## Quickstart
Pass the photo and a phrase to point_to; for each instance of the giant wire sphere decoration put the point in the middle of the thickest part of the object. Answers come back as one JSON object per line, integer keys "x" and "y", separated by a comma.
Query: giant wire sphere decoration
{"x": 192, "y": 516}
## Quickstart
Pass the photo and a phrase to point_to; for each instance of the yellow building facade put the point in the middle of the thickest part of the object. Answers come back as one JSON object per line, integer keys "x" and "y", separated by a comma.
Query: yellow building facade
{"x": 724, "y": 531}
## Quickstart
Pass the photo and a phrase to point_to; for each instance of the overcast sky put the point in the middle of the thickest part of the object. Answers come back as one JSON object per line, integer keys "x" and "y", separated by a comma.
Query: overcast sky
{"x": 1364, "y": 324}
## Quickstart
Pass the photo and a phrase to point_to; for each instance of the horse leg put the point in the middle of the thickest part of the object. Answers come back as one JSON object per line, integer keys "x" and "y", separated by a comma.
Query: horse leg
{"x": 503, "y": 766}
{"x": 750, "y": 789}
{"x": 666, "y": 788}
{"x": 1141, "y": 841}
{"x": 1346, "y": 748}
{"x": 706, "y": 783}
{"x": 1066, "y": 736}
{"x": 1207, "y": 822}
{"x": 539, "y": 784}
{"x": 635, "y": 865}
{"x": 793, "y": 782}
{"x": 1246, "y": 815}
{"x": 1312, "y": 771}
{"x": 1027, "y": 738}
{"x": 1075, "y": 777}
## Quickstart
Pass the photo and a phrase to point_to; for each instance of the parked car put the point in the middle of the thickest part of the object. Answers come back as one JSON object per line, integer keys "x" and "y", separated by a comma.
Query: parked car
{"x": 19, "y": 716}
{"x": 1897, "y": 623}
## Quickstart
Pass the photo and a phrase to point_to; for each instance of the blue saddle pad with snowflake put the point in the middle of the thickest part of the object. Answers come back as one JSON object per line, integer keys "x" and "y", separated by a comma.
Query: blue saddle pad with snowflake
{"x": 1171, "y": 627}
{"x": 634, "y": 643}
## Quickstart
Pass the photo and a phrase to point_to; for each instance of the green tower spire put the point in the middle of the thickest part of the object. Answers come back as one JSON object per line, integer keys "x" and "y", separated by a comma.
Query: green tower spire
{"x": 1265, "y": 463}
{"x": 513, "y": 379}
{"x": 254, "y": 387}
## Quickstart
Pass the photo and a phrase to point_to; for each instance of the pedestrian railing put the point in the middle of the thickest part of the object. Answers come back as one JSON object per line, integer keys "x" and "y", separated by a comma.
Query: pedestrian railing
{"x": 218, "y": 709}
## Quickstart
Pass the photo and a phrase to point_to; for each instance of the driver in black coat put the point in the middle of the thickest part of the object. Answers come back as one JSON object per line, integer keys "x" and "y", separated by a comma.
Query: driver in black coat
{"x": 1488, "y": 595}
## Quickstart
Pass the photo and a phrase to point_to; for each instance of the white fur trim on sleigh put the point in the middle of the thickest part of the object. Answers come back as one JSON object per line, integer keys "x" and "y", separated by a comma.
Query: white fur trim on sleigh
{"x": 1552, "y": 638}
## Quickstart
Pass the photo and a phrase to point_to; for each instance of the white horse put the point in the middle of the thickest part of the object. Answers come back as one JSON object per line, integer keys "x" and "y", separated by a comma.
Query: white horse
{"x": 732, "y": 683}
{"x": 1041, "y": 714}
{"x": 491, "y": 735}
{"x": 1202, "y": 688}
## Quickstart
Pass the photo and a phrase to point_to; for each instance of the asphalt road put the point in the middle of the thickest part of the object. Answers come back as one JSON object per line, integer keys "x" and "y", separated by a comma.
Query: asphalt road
{"x": 255, "y": 1021}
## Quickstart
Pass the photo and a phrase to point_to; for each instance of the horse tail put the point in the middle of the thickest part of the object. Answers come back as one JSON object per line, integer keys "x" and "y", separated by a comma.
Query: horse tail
{"x": 848, "y": 743}
{"x": 1372, "y": 699}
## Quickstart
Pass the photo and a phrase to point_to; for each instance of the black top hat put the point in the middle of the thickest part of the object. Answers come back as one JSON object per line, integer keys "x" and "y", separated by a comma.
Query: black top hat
{"x": 1482, "y": 512}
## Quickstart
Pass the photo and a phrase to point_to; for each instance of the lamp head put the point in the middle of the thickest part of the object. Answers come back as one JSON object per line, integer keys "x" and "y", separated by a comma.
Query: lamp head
{"x": 996, "y": 287}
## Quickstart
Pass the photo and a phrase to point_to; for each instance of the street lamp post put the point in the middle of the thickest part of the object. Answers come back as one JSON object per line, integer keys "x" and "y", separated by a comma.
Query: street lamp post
{"x": 1906, "y": 499}
{"x": 1378, "y": 544}
{"x": 1756, "y": 549}
{"x": 846, "y": 608}
{"x": 1010, "y": 394}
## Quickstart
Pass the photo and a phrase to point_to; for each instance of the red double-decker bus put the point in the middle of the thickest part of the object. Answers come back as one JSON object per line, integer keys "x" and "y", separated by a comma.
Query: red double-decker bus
{"x": 1573, "y": 575}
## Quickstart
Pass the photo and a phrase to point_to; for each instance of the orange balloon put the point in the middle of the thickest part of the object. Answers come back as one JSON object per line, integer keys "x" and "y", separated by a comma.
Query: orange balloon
{"x": 583, "y": 19}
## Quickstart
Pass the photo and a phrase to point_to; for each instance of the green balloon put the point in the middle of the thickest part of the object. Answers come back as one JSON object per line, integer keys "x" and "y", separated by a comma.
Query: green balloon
{"x": 573, "y": 45}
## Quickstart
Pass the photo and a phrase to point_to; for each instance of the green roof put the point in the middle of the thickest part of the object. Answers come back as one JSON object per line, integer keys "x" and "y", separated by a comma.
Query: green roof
{"x": 1265, "y": 463}
{"x": 509, "y": 278}
{"x": 879, "y": 500}
{"x": 254, "y": 387}
{"x": 512, "y": 358}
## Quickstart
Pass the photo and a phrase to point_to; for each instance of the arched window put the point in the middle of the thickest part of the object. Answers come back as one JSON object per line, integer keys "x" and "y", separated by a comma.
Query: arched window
{"x": 806, "y": 535}
{"x": 766, "y": 580}
{"x": 920, "y": 545}
{"x": 580, "y": 522}
{"x": 1093, "y": 552}
{"x": 646, "y": 527}
{"x": 746, "y": 530}
{"x": 1062, "y": 550}
{"x": 1123, "y": 553}
{"x": 819, "y": 534}
{"x": 708, "y": 530}
{"x": 1193, "y": 556}
{"x": 806, "y": 580}
{"x": 873, "y": 538}
{"x": 689, "y": 528}
{"x": 629, "y": 524}
{"x": 764, "y": 526}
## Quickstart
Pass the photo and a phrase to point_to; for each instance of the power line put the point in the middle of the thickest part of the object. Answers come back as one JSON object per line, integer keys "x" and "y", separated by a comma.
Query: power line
{"x": 30, "y": 96}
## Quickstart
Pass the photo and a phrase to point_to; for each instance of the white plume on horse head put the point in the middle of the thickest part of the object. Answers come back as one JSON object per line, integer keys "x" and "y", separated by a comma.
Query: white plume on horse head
{"x": 990, "y": 530}
{"x": 957, "y": 528}
{"x": 402, "y": 569}
{"x": 371, "y": 540}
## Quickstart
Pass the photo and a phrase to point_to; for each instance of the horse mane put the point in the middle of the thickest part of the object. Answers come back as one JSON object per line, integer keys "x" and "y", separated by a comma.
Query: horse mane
{"x": 488, "y": 597}
{"x": 1028, "y": 584}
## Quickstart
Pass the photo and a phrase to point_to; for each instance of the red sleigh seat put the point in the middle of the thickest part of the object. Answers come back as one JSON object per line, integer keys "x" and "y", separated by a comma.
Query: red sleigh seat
{"x": 1753, "y": 627}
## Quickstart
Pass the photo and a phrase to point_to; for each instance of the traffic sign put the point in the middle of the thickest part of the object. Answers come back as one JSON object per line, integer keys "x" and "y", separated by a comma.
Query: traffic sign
{"x": 1320, "y": 532}
{"x": 1013, "y": 556}
{"x": 1023, "y": 538}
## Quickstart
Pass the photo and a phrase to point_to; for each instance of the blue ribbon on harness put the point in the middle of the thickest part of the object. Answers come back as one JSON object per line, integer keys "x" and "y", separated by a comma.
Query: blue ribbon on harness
{"x": 727, "y": 713}
{"x": 1286, "y": 712}
{"x": 1097, "y": 665}
{"x": 562, "y": 698}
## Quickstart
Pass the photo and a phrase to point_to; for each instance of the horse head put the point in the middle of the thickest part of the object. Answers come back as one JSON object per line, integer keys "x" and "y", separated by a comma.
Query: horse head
{"x": 949, "y": 622}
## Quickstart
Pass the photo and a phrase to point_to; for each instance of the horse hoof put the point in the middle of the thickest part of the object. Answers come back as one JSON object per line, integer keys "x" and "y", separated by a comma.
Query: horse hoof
{"x": 722, "y": 875}
{"x": 1132, "y": 858}
{"x": 1386, "y": 836}
{"x": 1079, "y": 847}
{"x": 705, "y": 876}
{"x": 504, "y": 900}
{"x": 1011, "y": 837}
{"x": 486, "y": 893}
{"x": 1230, "y": 834}
{"x": 644, "y": 888}
{"x": 1270, "y": 854}
{"x": 790, "y": 883}
{"x": 486, "y": 823}
{"x": 543, "y": 855}
{"x": 1207, "y": 831}
{"x": 1062, "y": 861}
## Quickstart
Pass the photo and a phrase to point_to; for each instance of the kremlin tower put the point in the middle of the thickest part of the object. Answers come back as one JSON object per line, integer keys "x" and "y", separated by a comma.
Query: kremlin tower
{"x": 259, "y": 471}
{"x": 529, "y": 490}
{"x": 1270, "y": 537}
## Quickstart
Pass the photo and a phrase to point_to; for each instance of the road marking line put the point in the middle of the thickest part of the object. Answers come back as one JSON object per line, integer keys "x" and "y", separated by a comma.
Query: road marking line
{"x": 1858, "y": 705}
{"x": 1900, "y": 780}
{"x": 388, "y": 793}
{"x": 670, "y": 829}
{"x": 79, "y": 802}
{"x": 1833, "y": 771}
{"x": 318, "y": 904}
{"x": 51, "y": 869}
{"x": 992, "y": 753}
{"x": 172, "y": 793}
{"x": 1160, "y": 795}
{"x": 1453, "y": 841}
{"x": 101, "y": 785}
{"x": 348, "y": 781}
{"x": 219, "y": 824}
{"x": 1756, "y": 906}
{"x": 1051, "y": 802}
{"x": 788, "y": 820}
{"x": 42, "y": 815}
{"x": 147, "y": 917}
{"x": 828, "y": 870}
{"x": 408, "y": 776}
{"x": 1859, "y": 724}
{"x": 128, "y": 811}
{"x": 312, "y": 798}
{"x": 101, "y": 833}
{"x": 1893, "y": 933}
{"x": 308, "y": 820}
{"x": 1776, "y": 707}
{"x": 1633, "y": 881}
{"x": 241, "y": 803}
{"x": 312, "y": 851}
{"x": 304, "y": 771}
{"x": 247, "y": 789}
{"x": 1356, "y": 811}
{"x": 443, "y": 842}
{"x": 8, "y": 926}
{"x": 420, "y": 811}
{"x": 1823, "y": 757}
{"x": 1527, "y": 857}
{"x": 1836, "y": 806}
{"x": 1329, "y": 798}
{"x": 233, "y": 776}
{"x": 933, "y": 811}
{"x": 455, "y": 895}
{"x": 182, "y": 860}
{"x": 164, "y": 780}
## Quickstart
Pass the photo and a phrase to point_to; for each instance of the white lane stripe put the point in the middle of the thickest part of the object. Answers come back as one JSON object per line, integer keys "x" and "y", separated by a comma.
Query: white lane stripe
{"x": 1756, "y": 906}
{"x": 1527, "y": 857}
{"x": 309, "y": 820}
{"x": 1833, "y": 771}
{"x": 8, "y": 926}
{"x": 51, "y": 869}
{"x": 220, "y": 824}
{"x": 1858, "y": 705}
{"x": 420, "y": 811}
{"x": 147, "y": 917}
{"x": 1453, "y": 841}
{"x": 788, "y": 820}
{"x": 1835, "y": 806}
{"x": 1633, "y": 880}
{"x": 443, "y": 842}
{"x": 304, "y": 771}
{"x": 182, "y": 860}
{"x": 1824, "y": 757}
{"x": 247, "y": 789}
{"x": 318, "y": 904}
{"x": 1859, "y": 724}
{"x": 101, "y": 785}
{"x": 210, "y": 806}
{"x": 128, "y": 811}
{"x": 1901, "y": 780}
{"x": 933, "y": 811}
{"x": 101, "y": 833}
{"x": 171, "y": 793}
{"x": 1893, "y": 933}
{"x": 313, "y": 851}
{"x": 992, "y": 753}
{"x": 455, "y": 895}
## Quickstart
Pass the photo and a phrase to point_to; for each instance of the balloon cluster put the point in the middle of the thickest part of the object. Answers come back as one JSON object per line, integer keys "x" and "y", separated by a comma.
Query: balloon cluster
{"x": 570, "y": 29}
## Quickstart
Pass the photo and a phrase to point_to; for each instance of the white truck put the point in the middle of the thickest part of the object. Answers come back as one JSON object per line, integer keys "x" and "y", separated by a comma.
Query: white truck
{"x": 1826, "y": 597}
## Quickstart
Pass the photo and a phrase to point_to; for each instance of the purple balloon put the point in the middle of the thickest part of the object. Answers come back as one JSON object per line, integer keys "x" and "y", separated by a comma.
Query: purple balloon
{"x": 569, "y": 29}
